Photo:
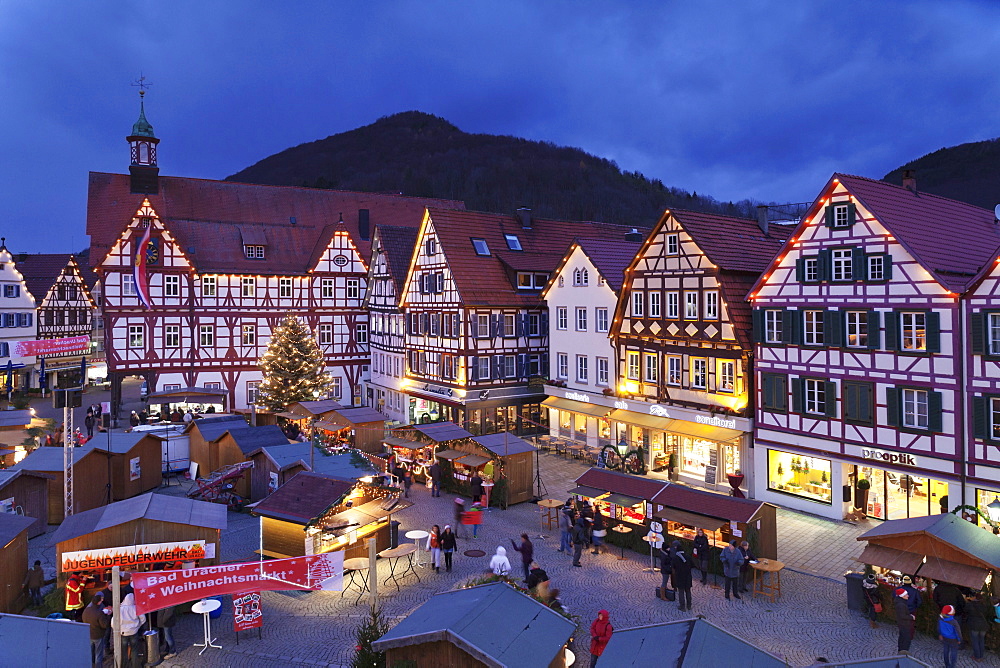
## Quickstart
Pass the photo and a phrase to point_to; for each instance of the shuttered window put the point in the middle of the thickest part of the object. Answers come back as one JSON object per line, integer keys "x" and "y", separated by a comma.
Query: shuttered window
{"x": 986, "y": 418}
{"x": 774, "y": 392}
{"x": 985, "y": 332}
{"x": 914, "y": 409}
{"x": 858, "y": 402}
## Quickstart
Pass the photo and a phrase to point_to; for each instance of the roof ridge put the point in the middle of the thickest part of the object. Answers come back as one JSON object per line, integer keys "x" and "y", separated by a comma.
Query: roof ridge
{"x": 917, "y": 193}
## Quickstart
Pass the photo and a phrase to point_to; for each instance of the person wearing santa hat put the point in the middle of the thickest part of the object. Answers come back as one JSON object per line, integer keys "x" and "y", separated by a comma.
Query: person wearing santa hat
{"x": 950, "y": 635}
{"x": 904, "y": 620}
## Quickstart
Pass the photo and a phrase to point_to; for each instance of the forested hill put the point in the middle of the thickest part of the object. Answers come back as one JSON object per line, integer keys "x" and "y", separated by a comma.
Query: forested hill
{"x": 967, "y": 172}
{"x": 417, "y": 154}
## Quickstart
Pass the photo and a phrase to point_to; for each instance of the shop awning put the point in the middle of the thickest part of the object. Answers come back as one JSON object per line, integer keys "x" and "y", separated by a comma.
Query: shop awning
{"x": 962, "y": 575}
{"x": 690, "y": 519}
{"x": 290, "y": 416}
{"x": 328, "y": 426}
{"x": 589, "y": 492}
{"x": 621, "y": 500}
{"x": 450, "y": 454}
{"x": 576, "y": 407}
{"x": 893, "y": 559}
{"x": 641, "y": 419}
{"x": 705, "y": 431}
{"x": 397, "y": 442}
{"x": 473, "y": 461}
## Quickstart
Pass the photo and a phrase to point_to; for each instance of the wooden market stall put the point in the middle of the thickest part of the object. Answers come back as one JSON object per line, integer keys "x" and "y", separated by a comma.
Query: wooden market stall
{"x": 366, "y": 427}
{"x": 276, "y": 465}
{"x": 38, "y": 641}
{"x": 418, "y": 445}
{"x": 623, "y": 498}
{"x": 26, "y": 493}
{"x": 684, "y": 643}
{"x": 196, "y": 399}
{"x": 314, "y": 410}
{"x": 415, "y": 454}
{"x": 13, "y": 560}
{"x": 449, "y": 630}
{"x": 15, "y": 420}
{"x": 89, "y": 464}
{"x": 314, "y": 513}
{"x": 136, "y": 463}
{"x": 205, "y": 430}
{"x": 504, "y": 459}
{"x": 137, "y": 533}
{"x": 235, "y": 446}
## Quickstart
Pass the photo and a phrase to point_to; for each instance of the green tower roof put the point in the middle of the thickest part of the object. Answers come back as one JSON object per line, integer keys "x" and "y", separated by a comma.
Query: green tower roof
{"x": 142, "y": 127}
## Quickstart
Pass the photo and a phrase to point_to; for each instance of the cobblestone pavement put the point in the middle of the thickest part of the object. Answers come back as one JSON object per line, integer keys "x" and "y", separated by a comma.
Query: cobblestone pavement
{"x": 317, "y": 628}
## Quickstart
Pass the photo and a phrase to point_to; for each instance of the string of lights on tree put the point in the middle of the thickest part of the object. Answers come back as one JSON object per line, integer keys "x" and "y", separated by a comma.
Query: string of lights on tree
{"x": 293, "y": 367}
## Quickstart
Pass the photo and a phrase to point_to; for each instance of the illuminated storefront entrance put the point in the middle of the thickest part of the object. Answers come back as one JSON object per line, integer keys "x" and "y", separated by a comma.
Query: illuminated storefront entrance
{"x": 894, "y": 495}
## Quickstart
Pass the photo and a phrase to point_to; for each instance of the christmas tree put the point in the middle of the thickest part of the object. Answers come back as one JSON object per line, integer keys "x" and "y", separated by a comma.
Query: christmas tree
{"x": 293, "y": 367}
{"x": 370, "y": 630}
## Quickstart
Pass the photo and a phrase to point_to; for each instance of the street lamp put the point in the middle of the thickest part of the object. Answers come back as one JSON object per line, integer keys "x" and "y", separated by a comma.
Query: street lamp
{"x": 993, "y": 510}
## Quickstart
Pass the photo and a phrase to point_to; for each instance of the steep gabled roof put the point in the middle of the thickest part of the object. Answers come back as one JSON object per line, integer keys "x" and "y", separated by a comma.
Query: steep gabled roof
{"x": 732, "y": 244}
{"x": 212, "y": 219}
{"x": 48, "y": 458}
{"x": 249, "y": 439}
{"x": 397, "y": 242}
{"x": 484, "y": 280}
{"x": 212, "y": 428}
{"x": 304, "y": 498}
{"x": 40, "y": 271}
{"x": 611, "y": 257}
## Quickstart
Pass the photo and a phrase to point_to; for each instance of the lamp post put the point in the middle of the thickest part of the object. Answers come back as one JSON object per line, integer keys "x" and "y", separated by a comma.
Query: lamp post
{"x": 993, "y": 510}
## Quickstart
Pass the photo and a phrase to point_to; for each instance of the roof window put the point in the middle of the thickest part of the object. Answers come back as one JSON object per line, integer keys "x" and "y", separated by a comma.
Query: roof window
{"x": 480, "y": 247}
{"x": 513, "y": 242}
{"x": 254, "y": 252}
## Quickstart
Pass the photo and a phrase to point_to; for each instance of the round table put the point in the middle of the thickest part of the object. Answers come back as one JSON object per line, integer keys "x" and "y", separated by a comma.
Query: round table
{"x": 357, "y": 569}
{"x": 394, "y": 555}
{"x": 769, "y": 586}
{"x": 550, "y": 515}
{"x": 622, "y": 529}
{"x": 205, "y": 607}
{"x": 652, "y": 540}
{"x": 487, "y": 488}
{"x": 417, "y": 535}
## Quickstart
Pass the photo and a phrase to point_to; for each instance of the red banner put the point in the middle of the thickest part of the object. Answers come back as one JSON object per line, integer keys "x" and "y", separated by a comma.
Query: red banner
{"x": 51, "y": 346}
{"x": 247, "y": 613}
{"x": 160, "y": 589}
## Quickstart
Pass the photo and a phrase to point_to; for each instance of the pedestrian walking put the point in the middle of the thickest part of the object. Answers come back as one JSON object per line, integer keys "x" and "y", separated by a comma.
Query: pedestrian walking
{"x": 554, "y": 602}
{"x": 74, "y": 598}
{"x": 499, "y": 564}
{"x": 950, "y": 635}
{"x": 98, "y": 621}
{"x": 527, "y": 551}
{"x": 731, "y": 559}
{"x": 407, "y": 481}
{"x": 904, "y": 620}
{"x": 133, "y": 419}
{"x": 89, "y": 423}
{"x": 681, "y": 576}
{"x": 434, "y": 547}
{"x": 131, "y": 622}
{"x": 33, "y": 582}
{"x": 448, "y": 544}
{"x": 869, "y": 588}
{"x": 666, "y": 568}
{"x": 477, "y": 519}
{"x": 435, "y": 474}
{"x": 702, "y": 554}
{"x": 598, "y": 531}
{"x": 477, "y": 487}
{"x": 579, "y": 540}
{"x": 979, "y": 617}
{"x": 566, "y": 521}
{"x": 600, "y": 633}
{"x": 748, "y": 556}
{"x": 459, "y": 508}
{"x": 166, "y": 619}
{"x": 914, "y": 598}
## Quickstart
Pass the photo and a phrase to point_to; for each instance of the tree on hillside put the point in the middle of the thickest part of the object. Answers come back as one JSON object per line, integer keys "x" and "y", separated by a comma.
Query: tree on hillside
{"x": 293, "y": 367}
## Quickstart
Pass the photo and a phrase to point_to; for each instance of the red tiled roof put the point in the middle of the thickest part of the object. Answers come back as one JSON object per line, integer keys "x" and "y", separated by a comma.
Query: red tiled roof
{"x": 398, "y": 242}
{"x": 621, "y": 483}
{"x": 305, "y": 497}
{"x": 735, "y": 286}
{"x": 484, "y": 280}
{"x": 734, "y": 244}
{"x": 954, "y": 241}
{"x": 211, "y": 217}
{"x": 706, "y": 503}
{"x": 611, "y": 257}
{"x": 40, "y": 271}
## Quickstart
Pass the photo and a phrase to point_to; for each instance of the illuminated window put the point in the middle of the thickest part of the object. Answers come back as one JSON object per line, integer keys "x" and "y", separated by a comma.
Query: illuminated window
{"x": 249, "y": 335}
{"x": 807, "y": 477}
{"x": 208, "y": 286}
{"x": 699, "y": 373}
{"x": 856, "y": 325}
{"x": 674, "y": 370}
{"x": 633, "y": 365}
{"x": 913, "y": 331}
{"x": 726, "y": 376}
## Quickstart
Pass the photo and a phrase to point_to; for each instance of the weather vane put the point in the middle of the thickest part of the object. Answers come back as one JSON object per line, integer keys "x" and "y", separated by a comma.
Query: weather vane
{"x": 141, "y": 84}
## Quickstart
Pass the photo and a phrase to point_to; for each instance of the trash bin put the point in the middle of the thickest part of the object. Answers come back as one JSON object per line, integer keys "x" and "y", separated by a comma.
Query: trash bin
{"x": 215, "y": 614}
{"x": 394, "y": 534}
{"x": 152, "y": 647}
{"x": 855, "y": 592}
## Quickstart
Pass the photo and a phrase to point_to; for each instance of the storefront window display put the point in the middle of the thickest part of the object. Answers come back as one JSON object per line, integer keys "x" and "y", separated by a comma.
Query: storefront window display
{"x": 695, "y": 455}
{"x": 633, "y": 515}
{"x": 580, "y": 427}
{"x": 984, "y": 497}
{"x": 565, "y": 423}
{"x": 604, "y": 432}
{"x": 896, "y": 496}
{"x": 731, "y": 456}
{"x": 808, "y": 477}
{"x": 423, "y": 411}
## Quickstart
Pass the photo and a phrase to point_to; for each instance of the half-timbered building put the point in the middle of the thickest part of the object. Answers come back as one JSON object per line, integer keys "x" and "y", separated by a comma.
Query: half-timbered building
{"x": 477, "y": 329}
{"x": 861, "y": 366}
{"x": 196, "y": 274}
{"x": 17, "y": 324}
{"x": 684, "y": 345}
{"x": 392, "y": 249}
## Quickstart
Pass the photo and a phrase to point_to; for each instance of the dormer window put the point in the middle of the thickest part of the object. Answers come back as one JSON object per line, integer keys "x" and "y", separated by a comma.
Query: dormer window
{"x": 480, "y": 246}
{"x": 431, "y": 246}
{"x": 253, "y": 252}
{"x": 513, "y": 242}
{"x": 531, "y": 281}
{"x": 673, "y": 244}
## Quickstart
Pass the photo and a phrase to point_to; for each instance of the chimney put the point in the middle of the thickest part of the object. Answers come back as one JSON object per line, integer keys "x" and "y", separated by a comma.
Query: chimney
{"x": 910, "y": 180}
{"x": 364, "y": 225}
{"x": 633, "y": 235}
{"x": 762, "y": 218}
{"x": 524, "y": 215}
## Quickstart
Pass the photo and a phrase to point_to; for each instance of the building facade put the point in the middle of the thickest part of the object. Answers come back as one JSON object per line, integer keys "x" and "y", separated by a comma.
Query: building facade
{"x": 17, "y": 325}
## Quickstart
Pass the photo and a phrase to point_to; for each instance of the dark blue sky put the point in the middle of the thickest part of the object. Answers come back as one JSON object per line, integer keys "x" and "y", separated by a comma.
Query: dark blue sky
{"x": 734, "y": 100}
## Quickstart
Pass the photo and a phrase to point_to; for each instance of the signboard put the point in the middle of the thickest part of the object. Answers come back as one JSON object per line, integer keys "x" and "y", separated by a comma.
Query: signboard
{"x": 713, "y": 457}
{"x": 50, "y": 346}
{"x": 900, "y": 458}
{"x": 247, "y": 613}
{"x": 134, "y": 469}
{"x": 711, "y": 474}
{"x": 716, "y": 421}
{"x": 161, "y": 589}
{"x": 272, "y": 482}
{"x": 132, "y": 555}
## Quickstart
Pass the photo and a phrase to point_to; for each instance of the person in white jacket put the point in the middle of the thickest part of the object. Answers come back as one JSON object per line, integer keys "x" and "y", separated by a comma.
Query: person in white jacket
{"x": 130, "y": 624}
{"x": 499, "y": 564}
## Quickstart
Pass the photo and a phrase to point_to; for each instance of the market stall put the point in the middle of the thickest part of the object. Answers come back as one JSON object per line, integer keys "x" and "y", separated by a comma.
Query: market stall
{"x": 13, "y": 560}
{"x": 366, "y": 427}
{"x": 136, "y": 534}
{"x": 26, "y": 493}
{"x": 234, "y": 446}
{"x": 89, "y": 463}
{"x": 314, "y": 513}
{"x": 203, "y": 431}
{"x": 418, "y": 456}
{"x": 136, "y": 463}
{"x": 276, "y": 465}
{"x": 184, "y": 399}
{"x": 313, "y": 410}
{"x": 622, "y": 498}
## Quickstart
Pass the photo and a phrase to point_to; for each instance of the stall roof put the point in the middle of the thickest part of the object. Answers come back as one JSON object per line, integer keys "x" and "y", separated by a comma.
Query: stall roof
{"x": 622, "y": 483}
{"x": 304, "y": 498}
{"x": 151, "y": 506}
{"x": 339, "y": 465}
{"x": 397, "y": 442}
{"x": 688, "y": 643}
{"x": 472, "y": 461}
{"x": 250, "y": 439}
{"x": 943, "y": 570}
{"x": 690, "y": 519}
{"x": 621, "y": 499}
{"x": 326, "y": 425}
{"x": 593, "y": 410}
{"x": 367, "y": 513}
{"x": 51, "y": 458}
{"x": 442, "y": 431}
{"x": 207, "y": 395}
{"x": 360, "y": 415}
{"x": 290, "y": 416}
{"x": 16, "y": 418}
{"x": 891, "y": 558}
{"x": 468, "y": 618}
{"x": 213, "y": 427}
{"x": 45, "y": 642}
{"x": 8, "y": 476}
{"x": 450, "y": 454}
{"x": 123, "y": 443}
{"x": 504, "y": 443}
{"x": 962, "y": 535}
{"x": 588, "y": 492}
{"x": 11, "y": 525}
{"x": 316, "y": 407}
{"x": 707, "y": 503}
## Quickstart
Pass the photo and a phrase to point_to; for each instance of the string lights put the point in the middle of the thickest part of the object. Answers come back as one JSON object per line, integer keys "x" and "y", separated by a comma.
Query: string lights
{"x": 293, "y": 367}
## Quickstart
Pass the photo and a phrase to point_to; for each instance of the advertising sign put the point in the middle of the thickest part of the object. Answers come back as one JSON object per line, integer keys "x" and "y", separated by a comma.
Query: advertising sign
{"x": 50, "y": 346}
{"x": 160, "y": 589}
{"x": 132, "y": 555}
{"x": 247, "y": 613}
{"x": 134, "y": 469}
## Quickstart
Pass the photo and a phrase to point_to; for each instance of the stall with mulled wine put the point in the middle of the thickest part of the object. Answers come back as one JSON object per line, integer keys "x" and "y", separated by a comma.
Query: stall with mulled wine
{"x": 416, "y": 455}
{"x": 626, "y": 502}
{"x": 430, "y": 442}
{"x": 365, "y": 427}
{"x": 314, "y": 513}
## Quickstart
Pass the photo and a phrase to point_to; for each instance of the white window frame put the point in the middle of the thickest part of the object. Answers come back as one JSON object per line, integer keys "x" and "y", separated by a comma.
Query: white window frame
{"x": 483, "y": 326}
{"x": 856, "y": 329}
{"x": 253, "y": 251}
{"x": 725, "y": 376}
{"x": 562, "y": 365}
{"x": 171, "y": 285}
{"x": 327, "y": 288}
{"x": 812, "y": 328}
{"x": 601, "y": 319}
{"x": 513, "y": 243}
{"x": 206, "y": 336}
{"x": 361, "y": 332}
{"x": 699, "y": 373}
{"x": 209, "y": 286}
{"x": 354, "y": 288}
{"x": 842, "y": 260}
{"x": 994, "y": 410}
{"x": 673, "y": 246}
{"x": 171, "y": 336}
{"x": 673, "y": 305}
{"x": 284, "y": 287}
{"x": 876, "y": 268}
{"x": 814, "y": 391}
{"x": 509, "y": 329}
{"x": 711, "y": 305}
{"x": 248, "y": 335}
{"x": 675, "y": 374}
{"x": 562, "y": 317}
{"x": 915, "y": 408}
{"x": 325, "y": 334}
{"x": 913, "y": 331}
{"x": 582, "y": 369}
{"x": 773, "y": 325}
{"x": 338, "y": 387}
{"x": 602, "y": 371}
{"x": 651, "y": 367}
{"x": 632, "y": 365}
{"x": 993, "y": 333}
{"x": 509, "y": 365}
{"x": 128, "y": 285}
{"x": 638, "y": 302}
{"x": 654, "y": 304}
{"x": 581, "y": 318}
{"x": 248, "y": 286}
{"x": 810, "y": 269}
{"x": 691, "y": 305}
{"x": 136, "y": 336}
{"x": 252, "y": 386}
{"x": 840, "y": 219}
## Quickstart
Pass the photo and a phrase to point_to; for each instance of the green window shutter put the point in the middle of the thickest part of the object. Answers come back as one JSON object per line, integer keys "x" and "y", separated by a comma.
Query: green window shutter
{"x": 859, "y": 263}
{"x": 823, "y": 265}
{"x": 850, "y": 401}
{"x": 887, "y": 266}
{"x": 830, "y": 394}
{"x": 758, "y": 325}
{"x": 800, "y": 270}
{"x": 865, "y": 402}
{"x": 790, "y": 326}
{"x": 892, "y": 407}
{"x": 933, "y": 333}
{"x": 781, "y": 392}
{"x": 892, "y": 330}
{"x": 829, "y": 216}
{"x": 977, "y": 330}
{"x": 767, "y": 390}
{"x": 980, "y": 417}
{"x": 874, "y": 329}
{"x": 798, "y": 395}
{"x": 934, "y": 411}
{"x": 833, "y": 328}
{"x": 852, "y": 211}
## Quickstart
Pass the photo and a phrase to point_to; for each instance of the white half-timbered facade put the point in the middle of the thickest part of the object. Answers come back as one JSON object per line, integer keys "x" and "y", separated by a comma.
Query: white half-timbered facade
{"x": 17, "y": 323}
{"x": 982, "y": 430}
{"x": 861, "y": 357}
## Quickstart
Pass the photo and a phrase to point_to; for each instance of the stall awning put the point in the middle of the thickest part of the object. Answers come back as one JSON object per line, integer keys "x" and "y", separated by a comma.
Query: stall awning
{"x": 641, "y": 419}
{"x": 450, "y": 454}
{"x": 962, "y": 575}
{"x": 575, "y": 407}
{"x": 290, "y": 416}
{"x": 403, "y": 443}
{"x": 690, "y": 519}
{"x": 621, "y": 500}
{"x": 473, "y": 461}
{"x": 589, "y": 492}
{"x": 328, "y": 426}
{"x": 893, "y": 559}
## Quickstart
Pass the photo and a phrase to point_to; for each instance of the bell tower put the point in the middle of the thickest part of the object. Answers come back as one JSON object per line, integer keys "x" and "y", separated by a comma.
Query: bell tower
{"x": 145, "y": 173}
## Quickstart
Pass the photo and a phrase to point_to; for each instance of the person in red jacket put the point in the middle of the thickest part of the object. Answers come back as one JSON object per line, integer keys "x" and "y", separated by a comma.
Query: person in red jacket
{"x": 600, "y": 634}
{"x": 74, "y": 598}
